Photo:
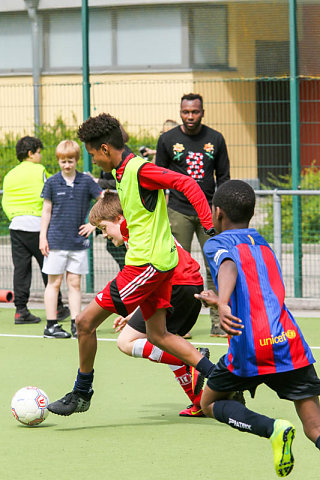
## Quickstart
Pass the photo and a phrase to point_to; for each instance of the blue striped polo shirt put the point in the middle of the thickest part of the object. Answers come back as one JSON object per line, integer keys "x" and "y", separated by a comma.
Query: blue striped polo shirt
{"x": 70, "y": 206}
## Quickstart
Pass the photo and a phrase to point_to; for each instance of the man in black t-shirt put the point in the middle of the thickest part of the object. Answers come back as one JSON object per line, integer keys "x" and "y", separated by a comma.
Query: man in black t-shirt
{"x": 200, "y": 152}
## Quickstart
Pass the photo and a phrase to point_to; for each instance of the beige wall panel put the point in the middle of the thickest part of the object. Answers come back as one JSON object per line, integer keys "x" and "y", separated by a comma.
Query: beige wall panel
{"x": 61, "y": 96}
{"x": 230, "y": 108}
{"x": 16, "y": 105}
{"x": 141, "y": 102}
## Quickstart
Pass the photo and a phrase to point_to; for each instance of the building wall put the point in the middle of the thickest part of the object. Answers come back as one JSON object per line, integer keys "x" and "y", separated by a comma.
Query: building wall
{"x": 143, "y": 101}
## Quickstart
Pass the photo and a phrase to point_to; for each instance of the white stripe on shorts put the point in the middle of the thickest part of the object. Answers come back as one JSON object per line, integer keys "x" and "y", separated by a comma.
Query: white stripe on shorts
{"x": 141, "y": 279}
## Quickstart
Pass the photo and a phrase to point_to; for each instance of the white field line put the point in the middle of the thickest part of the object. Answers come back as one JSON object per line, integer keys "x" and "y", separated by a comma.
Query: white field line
{"x": 114, "y": 340}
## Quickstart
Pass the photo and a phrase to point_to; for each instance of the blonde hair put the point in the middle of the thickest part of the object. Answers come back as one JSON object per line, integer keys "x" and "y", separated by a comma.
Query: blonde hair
{"x": 69, "y": 149}
{"x": 107, "y": 208}
{"x": 168, "y": 125}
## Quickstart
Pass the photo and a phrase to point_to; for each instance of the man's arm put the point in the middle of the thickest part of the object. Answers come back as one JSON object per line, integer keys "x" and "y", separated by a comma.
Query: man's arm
{"x": 222, "y": 168}
{"x": 45, "y": 220}
{"x": 162, "y": 157}
{"x": 153, "y": 177}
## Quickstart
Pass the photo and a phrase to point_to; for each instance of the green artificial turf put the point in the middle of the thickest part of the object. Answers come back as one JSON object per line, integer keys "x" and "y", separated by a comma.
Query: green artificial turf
{"x": 132, "y": 430}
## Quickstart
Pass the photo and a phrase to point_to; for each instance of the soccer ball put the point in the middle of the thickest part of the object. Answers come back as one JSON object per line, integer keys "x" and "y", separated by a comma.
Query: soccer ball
{"x": 29, "y": 405}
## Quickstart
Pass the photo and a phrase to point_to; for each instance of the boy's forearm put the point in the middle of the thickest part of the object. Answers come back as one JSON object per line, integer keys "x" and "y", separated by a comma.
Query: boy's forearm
{"x": 227, "y": 278}
{"x": 45, "y": 220}
{"x": 153, "y": 177}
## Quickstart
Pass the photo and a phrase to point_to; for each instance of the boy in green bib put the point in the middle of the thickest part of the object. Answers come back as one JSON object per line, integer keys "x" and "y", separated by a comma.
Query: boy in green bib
{"x": 145, "y": 280}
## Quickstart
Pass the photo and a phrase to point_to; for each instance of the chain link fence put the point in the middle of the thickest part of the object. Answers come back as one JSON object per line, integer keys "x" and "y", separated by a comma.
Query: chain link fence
{"x": 143, "y": 59}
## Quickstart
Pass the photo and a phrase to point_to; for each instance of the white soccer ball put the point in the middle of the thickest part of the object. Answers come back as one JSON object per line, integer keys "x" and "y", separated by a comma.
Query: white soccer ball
{"x": 29, "y": 405}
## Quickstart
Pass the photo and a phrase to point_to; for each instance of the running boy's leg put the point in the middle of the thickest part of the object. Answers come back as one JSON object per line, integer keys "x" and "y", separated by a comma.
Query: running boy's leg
{"x": 308, "y": 410}
{"x": 135, "y": 344}
{"x": 79, "y": 399}
{"x": 158, "y": 335}
{"x": 217, "y": 404}
{"x": 87, "y": 322}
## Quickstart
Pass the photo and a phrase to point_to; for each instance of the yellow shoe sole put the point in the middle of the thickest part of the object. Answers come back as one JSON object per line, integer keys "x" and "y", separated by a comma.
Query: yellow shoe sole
{"x": 281, "y": 441}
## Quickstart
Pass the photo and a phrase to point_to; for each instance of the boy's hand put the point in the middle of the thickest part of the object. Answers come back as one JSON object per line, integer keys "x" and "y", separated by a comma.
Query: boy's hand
{"x": 208, "y": 298}
{"x": 120, "y": 322}
{"x": 86, "y": 230}
{"x": 44, "y": 246}
{"x": 230, "y": 324}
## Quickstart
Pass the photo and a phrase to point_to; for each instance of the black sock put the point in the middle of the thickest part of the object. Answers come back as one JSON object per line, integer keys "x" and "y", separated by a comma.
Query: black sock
{"x": 238, "y": 416}
{"x": 205, "y": 366}
{"x": 84, "y": 382}
{"x": 73, "y": 321}
{"x": 50, "y": 323}
{"x": 317, "y": 442}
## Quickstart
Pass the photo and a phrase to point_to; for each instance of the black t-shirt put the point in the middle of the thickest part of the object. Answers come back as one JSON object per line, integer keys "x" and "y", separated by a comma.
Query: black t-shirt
{"x": 202, "y": 157}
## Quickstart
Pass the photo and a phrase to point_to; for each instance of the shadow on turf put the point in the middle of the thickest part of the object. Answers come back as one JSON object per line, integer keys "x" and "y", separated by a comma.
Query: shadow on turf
{"x": 33, "y": 427}
{"x": 164, "y": 418}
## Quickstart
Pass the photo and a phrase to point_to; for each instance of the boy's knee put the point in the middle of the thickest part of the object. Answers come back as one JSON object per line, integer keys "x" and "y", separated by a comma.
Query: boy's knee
{"x": 84, "y": 325}
{"x": 154, "y": 339}
{"x": 124, "y": 346}
{"x": 55, "y": 283}
{"x": 206, "y": 408}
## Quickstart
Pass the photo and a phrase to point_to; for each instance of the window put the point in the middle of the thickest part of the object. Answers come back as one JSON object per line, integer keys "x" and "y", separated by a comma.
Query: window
{"x": 209, "y": 36}
{"x": 64, "y": 49}
{"x": 149, "y": 36}
{"x": 157, "y": 37}
{"x": 16, "y": 42}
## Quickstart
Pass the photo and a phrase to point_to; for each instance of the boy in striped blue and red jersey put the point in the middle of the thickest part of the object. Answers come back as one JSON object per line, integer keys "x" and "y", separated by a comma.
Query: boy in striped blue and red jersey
{"x": 265, "y": 342}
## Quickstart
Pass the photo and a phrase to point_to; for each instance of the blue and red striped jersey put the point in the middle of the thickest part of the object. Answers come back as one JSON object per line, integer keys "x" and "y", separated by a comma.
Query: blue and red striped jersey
{"x": 271, "y": 341}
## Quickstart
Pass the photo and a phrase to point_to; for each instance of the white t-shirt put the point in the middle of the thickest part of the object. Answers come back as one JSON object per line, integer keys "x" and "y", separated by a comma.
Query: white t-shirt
{"x": 26, "y": 223}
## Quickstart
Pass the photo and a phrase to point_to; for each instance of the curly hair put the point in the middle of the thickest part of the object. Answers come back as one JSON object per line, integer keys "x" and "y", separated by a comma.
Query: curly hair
{"x": 192, "y": 96}
{"x": 101, "y": 129}
{"x": 25, "y": 145}
{"x": 107, "y": 208}
{"x": 237, "y": 199}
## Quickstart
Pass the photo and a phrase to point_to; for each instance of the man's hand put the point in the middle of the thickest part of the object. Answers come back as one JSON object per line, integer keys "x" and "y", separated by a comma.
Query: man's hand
{"x": 86, "y": 229}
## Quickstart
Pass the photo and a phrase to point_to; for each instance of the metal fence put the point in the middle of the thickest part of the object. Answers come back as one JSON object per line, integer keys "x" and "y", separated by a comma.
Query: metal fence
{"x": 270, "y": 219}
{"x": 253, "y": 115}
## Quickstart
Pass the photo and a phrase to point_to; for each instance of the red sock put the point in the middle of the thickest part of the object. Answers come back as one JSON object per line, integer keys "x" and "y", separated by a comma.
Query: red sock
{"x": 144, "y": 349}
{"x": 183, "y": 377}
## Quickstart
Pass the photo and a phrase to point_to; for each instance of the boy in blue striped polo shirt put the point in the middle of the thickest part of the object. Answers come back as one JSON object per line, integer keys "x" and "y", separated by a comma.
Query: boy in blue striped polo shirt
{"x": 64, "y": 234}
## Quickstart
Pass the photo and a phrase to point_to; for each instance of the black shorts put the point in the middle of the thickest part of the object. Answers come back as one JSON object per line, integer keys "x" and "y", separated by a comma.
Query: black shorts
{"x": 293, "y": 385}
{"x": 183, "y": 314}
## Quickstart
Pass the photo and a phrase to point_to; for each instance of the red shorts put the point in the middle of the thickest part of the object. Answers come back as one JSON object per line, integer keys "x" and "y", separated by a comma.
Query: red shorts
{"x": 133, "y": 287}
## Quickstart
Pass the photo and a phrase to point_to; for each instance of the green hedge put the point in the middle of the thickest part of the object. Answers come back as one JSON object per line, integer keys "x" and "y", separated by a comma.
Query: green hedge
{"x": 50, "y": 136}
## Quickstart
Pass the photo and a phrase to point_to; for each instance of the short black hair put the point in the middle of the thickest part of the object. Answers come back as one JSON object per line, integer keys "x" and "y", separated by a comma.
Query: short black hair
{"x": 101, "y": 129}
{"x": 191, "y": 97}
{"x": 25, "y": 145}
{"x": 237, "y": 199}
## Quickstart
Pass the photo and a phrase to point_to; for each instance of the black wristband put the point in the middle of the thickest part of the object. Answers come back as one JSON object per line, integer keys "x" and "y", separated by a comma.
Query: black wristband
{"x": 211, "y": 232}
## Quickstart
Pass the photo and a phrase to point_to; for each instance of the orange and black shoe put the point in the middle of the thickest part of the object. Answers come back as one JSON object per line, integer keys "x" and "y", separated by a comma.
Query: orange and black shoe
{"x": 192, "y": 411}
